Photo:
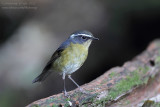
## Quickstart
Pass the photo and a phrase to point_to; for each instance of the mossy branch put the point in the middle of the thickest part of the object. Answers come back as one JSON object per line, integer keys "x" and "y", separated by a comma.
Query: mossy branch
{"x": 116, "y": 84}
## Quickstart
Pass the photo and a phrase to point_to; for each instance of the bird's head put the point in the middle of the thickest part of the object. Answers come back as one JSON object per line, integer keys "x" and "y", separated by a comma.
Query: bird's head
{"x": 82, "y": 37}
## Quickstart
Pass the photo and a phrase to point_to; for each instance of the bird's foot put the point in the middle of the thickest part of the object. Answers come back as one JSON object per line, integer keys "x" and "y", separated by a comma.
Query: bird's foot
{"x": 65, "y": 93}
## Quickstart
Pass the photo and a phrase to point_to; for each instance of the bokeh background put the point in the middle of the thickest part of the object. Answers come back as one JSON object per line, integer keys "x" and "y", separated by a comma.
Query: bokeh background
{"x": 30, "y": 31}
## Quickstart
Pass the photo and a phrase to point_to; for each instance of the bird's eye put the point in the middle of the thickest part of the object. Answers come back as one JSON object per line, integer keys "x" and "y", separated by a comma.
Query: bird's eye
{"x": 83, "y": 37}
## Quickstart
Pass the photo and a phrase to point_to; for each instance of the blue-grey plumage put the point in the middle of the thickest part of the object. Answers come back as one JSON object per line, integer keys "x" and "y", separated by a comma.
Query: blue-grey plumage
{"x": 69, "y": 57}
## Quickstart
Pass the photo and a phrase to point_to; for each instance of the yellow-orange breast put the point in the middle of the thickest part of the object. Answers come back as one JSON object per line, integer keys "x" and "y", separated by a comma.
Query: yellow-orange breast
{"x": 71, "y": 58}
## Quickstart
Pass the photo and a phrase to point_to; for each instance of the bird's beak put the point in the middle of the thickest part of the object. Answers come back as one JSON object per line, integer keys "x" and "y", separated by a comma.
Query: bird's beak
{"x": 94, "y": 38}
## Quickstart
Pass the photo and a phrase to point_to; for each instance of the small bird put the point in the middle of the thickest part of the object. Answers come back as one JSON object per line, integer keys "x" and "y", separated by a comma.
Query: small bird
{"x": 69, "y": 57}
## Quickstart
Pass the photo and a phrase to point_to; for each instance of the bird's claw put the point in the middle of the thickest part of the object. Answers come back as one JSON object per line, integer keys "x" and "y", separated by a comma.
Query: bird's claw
{"x": 65, "y": 93}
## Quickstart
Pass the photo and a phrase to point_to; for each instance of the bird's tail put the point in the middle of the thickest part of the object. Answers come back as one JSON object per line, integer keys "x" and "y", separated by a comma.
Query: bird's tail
{"x": 41, "y": 77}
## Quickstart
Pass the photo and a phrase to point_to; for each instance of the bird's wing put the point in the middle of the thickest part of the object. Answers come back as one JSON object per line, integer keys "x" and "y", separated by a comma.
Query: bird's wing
{"x": 45, "y": 73}
{"x": 56, "y": 55}
{"x": 53, "y": 58}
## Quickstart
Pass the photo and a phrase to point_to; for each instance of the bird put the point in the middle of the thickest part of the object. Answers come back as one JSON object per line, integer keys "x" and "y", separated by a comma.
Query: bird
{"x": 69, "y": 57}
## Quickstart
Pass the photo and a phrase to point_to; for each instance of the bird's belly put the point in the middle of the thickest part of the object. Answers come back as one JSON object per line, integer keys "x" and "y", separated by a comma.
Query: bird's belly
{"x": 72, "y": 65}
{"x": 70, "y": 60}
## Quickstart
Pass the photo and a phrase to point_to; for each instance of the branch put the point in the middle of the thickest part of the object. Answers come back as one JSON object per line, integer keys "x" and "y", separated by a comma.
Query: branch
{"x": 119, "y": 85}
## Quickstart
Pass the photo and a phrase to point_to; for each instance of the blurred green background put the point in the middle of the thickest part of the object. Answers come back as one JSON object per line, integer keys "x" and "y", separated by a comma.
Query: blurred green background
{"x": 30, "y": 31}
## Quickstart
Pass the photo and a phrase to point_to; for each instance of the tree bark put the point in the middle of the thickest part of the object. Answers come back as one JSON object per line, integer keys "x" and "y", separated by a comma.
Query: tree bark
{"x": 129, "y": 85}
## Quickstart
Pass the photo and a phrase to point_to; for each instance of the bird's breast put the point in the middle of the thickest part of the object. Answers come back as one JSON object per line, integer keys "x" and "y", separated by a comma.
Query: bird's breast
{"x": 71, "y": 58}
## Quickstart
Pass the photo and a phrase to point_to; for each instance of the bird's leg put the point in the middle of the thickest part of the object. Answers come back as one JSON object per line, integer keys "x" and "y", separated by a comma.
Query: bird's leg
{"x": 69, "y": 76}
{"x": 65, "y": 92}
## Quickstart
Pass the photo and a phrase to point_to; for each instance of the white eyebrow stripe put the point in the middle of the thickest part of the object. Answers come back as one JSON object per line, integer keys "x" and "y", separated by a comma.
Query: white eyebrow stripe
{"x": 73, "y": 35}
